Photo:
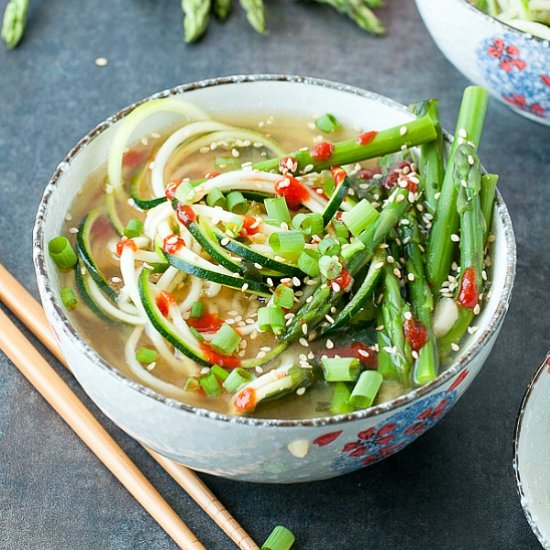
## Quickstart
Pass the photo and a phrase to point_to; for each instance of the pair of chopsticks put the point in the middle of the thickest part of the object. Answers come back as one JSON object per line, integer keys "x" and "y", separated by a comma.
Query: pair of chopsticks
{"x": 56, "y": 392}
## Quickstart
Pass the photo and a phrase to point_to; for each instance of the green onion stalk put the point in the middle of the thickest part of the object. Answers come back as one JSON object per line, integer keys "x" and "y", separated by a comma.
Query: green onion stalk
{"x": 468, "y": 128}
{"x": 426, "y": 364}
{"x": 14, "y": 22}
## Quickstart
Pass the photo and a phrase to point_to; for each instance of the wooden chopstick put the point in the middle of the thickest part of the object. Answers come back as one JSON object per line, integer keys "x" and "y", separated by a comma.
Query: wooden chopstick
{"x": 30, "y": 312}
{"x": 54, "y": 390}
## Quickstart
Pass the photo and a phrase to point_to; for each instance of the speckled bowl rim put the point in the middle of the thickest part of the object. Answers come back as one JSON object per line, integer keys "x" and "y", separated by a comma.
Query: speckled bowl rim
{"x": 517, "y": 433}
{"x": 504, "y": 25}
{"x": 405, "y": 399}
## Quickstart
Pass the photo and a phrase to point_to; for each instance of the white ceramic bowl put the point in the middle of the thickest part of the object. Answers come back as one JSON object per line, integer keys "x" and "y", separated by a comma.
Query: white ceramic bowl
{"x": 512, "y": 65}
{"x": 247, "y": 448}
{"x": 532, "y": 449}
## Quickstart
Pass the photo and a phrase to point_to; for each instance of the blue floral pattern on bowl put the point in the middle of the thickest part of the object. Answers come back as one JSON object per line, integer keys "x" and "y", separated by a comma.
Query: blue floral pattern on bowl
{"x": 517, "y": 68}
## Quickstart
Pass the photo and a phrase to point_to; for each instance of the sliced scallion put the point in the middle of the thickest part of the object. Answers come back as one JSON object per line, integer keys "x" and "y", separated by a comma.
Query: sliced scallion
{"x": 287, "y": 243}
{"x": 271, "y": 318}
{"x": 237, "y": 377}
{"x": 220, "y": 372}
{"x": 341, "y": 369}
{"x": 62, "y": 253}
{"x": 350, "y": 249}
{"x": 277, "y": 211}
{"x": 327, "y": 123}
{"x": 280, "y": 539}
{"x": 215, "y": 198}
{"x": 366, "y": 389}
{"x": 146, "y": 356}
{"x": 339, "y": 403}
{"x": 191, "y": 384}
{"x": 185, "y": 191}
{"x": 360, "y": 217}
{"x": 236, "y": 202}
{"x": 68, "y": 298}
{"x": 310, "y": 224}
{"x": 226, "y": 340}
{"x": 210, "y": 384}
{"x": 341, "y": 230}
{"x": 197, "y": 309}
{"x": 283, "y": 296}
{"x": 329, "y": 246}
{"x": 330, "y": 267}
{"x": 308, "y": 262}
{"x": 134, "y": 228}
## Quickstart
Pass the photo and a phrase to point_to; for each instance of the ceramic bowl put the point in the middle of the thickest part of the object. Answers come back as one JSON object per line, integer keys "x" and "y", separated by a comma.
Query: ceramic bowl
{"x": 512, "y": 65}
{"x": 249, "y": 448}
{"x": 532, "y": 449}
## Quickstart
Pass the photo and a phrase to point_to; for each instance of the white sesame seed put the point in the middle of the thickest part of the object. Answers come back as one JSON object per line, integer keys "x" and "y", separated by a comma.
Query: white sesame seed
{"x": 407, "y": 315}
{"x": 335, "y": 287}
{"x": 235, "y": 152}
{"x": 363, "y": 353}
{"x": 73, "y": 230}
{"x": 101, "y": 61}
{"x": 410, "y": 277}
{"x": 455, "y": 347}
{"x": 455, "y": 238}
{"x": 300, "y": 391}
{"x": 151, "y": 366}
{"x": 414, "y": 354}
{"x": 304, "y": 329}
{"x": 397, "y": 273}
{"x": 403, "y": 130}
{"x": 329, "y": 344}
{"x": 303, "y": 342}
{"x": 259, "y": 370}
{"x": 296, "y": 281}
{"x": 68, "y": 217}
{"x": 380, "y": 328}
{"x": 477, "y": 309}
{"x": 244, "y": 288}
{"x": 472, "y": 330}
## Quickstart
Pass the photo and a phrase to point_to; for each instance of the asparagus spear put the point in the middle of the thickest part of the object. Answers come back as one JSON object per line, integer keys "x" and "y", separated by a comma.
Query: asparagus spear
{"x": 360, "y": 12}
{"x": 393, "y": 309}
{"x": 14, "y": 21}
{"x": 197, "y": 13}
{"x": 255, "y": 13}
{"x": 430, "y": 162}
{"x": 488, "y": 190}
{"x": 426, "y": 365}
{"x": 222, "y": 9}
{"x": 473, "y": 229}
{"x": 468, "y": 127}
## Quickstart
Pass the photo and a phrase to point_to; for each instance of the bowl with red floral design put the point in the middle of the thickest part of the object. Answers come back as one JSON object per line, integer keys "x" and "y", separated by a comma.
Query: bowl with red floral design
{"x": 532, "y": 448}
{"x": 511, "y": 64}
{"x": 255, "y": 448}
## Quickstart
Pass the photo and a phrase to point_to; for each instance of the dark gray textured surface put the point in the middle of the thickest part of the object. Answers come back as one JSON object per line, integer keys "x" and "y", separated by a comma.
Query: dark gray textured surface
{"x": 454, "y": 488}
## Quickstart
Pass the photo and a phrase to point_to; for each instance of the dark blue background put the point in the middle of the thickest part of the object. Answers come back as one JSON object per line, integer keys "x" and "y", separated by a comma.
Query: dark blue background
{"x": 454, "y": 488}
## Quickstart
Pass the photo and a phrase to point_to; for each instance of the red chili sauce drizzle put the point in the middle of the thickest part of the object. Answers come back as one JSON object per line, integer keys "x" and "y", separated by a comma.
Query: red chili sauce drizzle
{"x": 467, "y": 295}
{"x": 293, "y": 192}
{"x": 415, "y": 333}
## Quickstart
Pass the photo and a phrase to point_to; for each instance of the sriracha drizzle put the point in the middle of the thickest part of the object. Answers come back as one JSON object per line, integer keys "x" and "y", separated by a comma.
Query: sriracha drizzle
{"x": 467, "y": 295}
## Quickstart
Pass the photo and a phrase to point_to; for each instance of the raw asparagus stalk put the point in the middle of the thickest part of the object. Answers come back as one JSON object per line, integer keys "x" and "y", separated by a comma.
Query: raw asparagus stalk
{"x": 430, "y": 160}
{"x": 359, "y": 12}
{"x": 197, "y": 13}
{"x": 14, "y": 22}
{"x": 222, "y": 9}
{"x": 426, "y": 364}
{"x": 255, "y": 13}
{"x": 488, "y": 191}
{"x": 468, "y": 128}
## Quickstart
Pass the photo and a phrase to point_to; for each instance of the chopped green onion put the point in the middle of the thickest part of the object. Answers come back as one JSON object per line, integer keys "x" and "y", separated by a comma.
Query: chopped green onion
{"x": 222, "y": 162}
{"x": 283, "y": 296}
{"x": 308, "y": 262}
{"x": 366, "y": 389}
{"x": 62, "y": 253}
{"x": 237, "y": 377}
{"x": 350, "y": 249}
{"x": 360, "y": 217}
{"x": 329, "y": 186}
{"x": 329, "y": 246}
{"x": 310, "y": 224}
{"x": 215, "y": 198}
{"x": 277, "y": 211}
{"x": 134, "y": 228}
{"x": 146, "y": 356}
{"x": 191, "y": 384}
{"x": 341, "y": 230}
{"x": 197, "y": 309}
{"x": 271, "y": 318}
{"x": 330, "y": 267}
{"x": 185, "y": 191}
{"x": 237, "y": 203}
{"x": 341, "y": 369}
{"x": 210, "y": 384}
{"x": 226, "y": 340}
{"x": 287, "y": 243}
{"x": 235, "y": 224}
{"x": 68, "y": 298}
{"x": 327, "y": 123}
{"x": 279, "y": 539}
{"x": 220, "y": 372}
{"x": 340, "y": 399}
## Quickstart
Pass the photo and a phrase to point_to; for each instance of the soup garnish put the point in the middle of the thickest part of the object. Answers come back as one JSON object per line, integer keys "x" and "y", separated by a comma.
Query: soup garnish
{"x": 220, "y": 270}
